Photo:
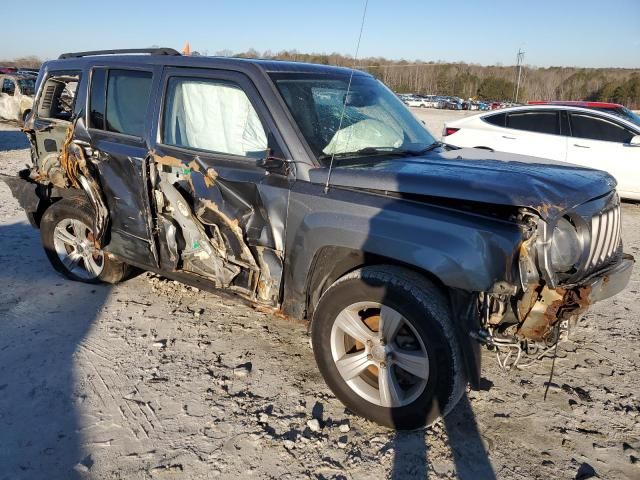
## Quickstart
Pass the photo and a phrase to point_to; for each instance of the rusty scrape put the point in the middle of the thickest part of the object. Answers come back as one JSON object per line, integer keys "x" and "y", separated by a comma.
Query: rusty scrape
{"x": 210, "y": 177}
{"x": 551, "y": 307}
{"x": 233, "y": 225}
{"x": 193, "y": 165}
{"x": 166, "y": 160}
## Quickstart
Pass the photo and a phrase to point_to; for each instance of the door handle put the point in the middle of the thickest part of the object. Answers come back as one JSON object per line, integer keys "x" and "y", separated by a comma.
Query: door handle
{"x": 508, "y": 137}
{"x": 580, "y": 146}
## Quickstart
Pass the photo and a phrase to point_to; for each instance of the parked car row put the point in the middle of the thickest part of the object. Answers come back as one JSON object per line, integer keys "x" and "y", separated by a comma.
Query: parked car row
{"x": 445, "y": 102}
{"x": 583, "y": 135}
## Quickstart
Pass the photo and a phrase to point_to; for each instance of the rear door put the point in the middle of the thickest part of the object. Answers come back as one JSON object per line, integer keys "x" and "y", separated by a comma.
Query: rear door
{"x": 534, "y": 132}
{"x": 601, "y": 143}
{"x": 119, "y": 110}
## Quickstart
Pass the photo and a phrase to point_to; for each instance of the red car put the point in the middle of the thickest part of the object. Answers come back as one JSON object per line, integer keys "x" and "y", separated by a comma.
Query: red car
{"x": 614, "y": 108}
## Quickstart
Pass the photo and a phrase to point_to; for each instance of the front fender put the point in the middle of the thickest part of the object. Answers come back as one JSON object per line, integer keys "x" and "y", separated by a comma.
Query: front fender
{"x": 463, "y": 250}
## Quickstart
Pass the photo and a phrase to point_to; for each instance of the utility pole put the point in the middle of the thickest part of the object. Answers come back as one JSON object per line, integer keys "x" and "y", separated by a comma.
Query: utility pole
{"x": 520, "y": 59}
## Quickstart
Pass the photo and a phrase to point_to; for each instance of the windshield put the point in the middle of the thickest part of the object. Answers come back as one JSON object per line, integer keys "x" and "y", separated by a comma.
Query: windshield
{"x": 623, "y": 112}
{"x": 375, "y": 120}
{"x": 27, "y": 86}
{"x": 630, "y": 115}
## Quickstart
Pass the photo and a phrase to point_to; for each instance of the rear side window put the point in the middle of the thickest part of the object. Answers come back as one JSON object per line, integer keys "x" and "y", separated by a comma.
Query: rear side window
{"x": 498, "y": 119}
{"x": 58, "y": 98}
{"x": 122, "y": 108}
{"x": 539, "y": 122}
{"x": 97, "y": 101}
{"x": 592, "y": 128}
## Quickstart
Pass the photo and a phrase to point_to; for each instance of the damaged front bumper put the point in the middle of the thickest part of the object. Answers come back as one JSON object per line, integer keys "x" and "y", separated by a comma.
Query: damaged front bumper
{"x": 568, "y": 302}
{"x": 612, "y": 281}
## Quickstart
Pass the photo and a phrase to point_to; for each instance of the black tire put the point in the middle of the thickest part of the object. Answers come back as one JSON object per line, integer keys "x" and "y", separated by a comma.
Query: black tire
{"x": 25, "y": 115}
{"x": 78, "y": 208}
{"x": 421, "y": 303}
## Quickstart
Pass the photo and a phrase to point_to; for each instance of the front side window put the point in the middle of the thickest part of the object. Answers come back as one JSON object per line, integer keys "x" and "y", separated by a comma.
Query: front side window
{"x": 538, "y": 122}
{"x": 374, "y": 119}
{"x": 8, "y": 87}
{"x": 592, "y": 128}
{"x": 212, "y": 115}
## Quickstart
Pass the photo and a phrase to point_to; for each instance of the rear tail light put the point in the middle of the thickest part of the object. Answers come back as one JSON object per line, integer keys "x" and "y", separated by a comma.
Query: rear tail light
{"x": 450, "y": 131}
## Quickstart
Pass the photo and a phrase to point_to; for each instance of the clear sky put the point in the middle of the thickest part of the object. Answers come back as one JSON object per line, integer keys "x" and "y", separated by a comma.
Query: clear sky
{"x": 589, "y": 33}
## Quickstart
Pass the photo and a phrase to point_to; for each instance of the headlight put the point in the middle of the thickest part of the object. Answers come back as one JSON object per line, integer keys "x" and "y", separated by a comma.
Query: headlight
{"x": 566, "y": 248}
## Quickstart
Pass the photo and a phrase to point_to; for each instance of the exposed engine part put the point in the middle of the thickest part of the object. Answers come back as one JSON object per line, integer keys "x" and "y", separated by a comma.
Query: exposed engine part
{"x": 50, "y": 167}
{"x": 510, "y": 350}
{"x": 198, "y": 255}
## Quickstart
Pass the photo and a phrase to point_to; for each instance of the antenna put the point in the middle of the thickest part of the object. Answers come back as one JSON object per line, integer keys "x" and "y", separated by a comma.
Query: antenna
{"x": 344, "y": 104}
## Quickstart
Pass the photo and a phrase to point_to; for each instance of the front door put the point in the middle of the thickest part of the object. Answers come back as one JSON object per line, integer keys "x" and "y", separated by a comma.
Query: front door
{"x": 603, "y": 144}
{"x": 213, "y": 129}
{"x": 535, "y": 133}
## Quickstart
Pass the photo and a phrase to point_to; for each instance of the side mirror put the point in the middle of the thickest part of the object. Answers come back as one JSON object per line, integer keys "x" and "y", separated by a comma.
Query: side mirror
{"x": 276, "y": 165}
{"x": 635, "y": 141}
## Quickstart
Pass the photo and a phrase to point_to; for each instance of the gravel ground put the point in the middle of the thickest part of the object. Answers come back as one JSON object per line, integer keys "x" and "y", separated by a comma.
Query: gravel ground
{"x": 153, "y": 379}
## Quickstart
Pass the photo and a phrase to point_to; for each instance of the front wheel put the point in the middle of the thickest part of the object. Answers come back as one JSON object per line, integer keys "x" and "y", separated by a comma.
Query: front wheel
{"x": 384, "y": 343}
{"x": 67, "y": 237}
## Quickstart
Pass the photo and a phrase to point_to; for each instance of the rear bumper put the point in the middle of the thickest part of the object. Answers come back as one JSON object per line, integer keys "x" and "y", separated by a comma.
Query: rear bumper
{"x": 611, "y": 281}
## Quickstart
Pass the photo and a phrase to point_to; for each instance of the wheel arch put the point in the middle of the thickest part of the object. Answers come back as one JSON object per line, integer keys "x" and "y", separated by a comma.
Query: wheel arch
{"x": 333, "y": 262}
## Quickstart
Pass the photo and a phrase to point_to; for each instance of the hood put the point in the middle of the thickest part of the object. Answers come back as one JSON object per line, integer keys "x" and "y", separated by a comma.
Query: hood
{"x": 477, "y": 175}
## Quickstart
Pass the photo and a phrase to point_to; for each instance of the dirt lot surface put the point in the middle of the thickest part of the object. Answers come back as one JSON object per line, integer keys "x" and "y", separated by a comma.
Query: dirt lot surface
{"x": 153, "y": 379}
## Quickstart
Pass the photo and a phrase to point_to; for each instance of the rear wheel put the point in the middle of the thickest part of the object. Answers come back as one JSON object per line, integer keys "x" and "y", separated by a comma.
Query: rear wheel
{"x": 68, "y": 239}
{"x": 385, "y": 345}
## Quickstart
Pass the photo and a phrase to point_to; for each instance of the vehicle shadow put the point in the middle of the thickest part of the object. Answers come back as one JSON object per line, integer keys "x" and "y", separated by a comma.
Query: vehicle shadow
{"x": 12, "y": 139}
{"x": 471, "y": 460}
{"x": 44, "y": 319}
{"x": 461, "y": 433}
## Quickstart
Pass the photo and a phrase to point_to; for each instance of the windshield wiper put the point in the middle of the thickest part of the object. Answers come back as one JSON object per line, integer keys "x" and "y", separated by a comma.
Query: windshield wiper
{"x": 433, "y": 146}
{"x": 367, "y": 151}
{"x": 370, "y": 151}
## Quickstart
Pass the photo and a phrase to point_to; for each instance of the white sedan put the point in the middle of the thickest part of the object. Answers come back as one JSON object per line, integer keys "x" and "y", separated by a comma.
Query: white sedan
{"x": 422, "y": 102}
{"x": 569, "y": 134}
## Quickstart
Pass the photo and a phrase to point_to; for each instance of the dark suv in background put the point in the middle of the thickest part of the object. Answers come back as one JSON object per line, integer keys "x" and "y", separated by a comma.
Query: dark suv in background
{"x": 312, "y": 190}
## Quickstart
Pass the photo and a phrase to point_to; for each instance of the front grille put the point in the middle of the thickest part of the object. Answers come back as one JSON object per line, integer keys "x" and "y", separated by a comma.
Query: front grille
{"x": 605, "y": 237}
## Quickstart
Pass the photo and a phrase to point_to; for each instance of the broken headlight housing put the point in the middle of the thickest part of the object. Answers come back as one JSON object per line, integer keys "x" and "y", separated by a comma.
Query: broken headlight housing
{"x": 565, "y": 248}
{"x": 560, "y": 248}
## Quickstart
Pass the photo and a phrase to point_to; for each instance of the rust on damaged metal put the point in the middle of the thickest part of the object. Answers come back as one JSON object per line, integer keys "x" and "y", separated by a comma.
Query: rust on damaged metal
{"x": 551, "y": 307}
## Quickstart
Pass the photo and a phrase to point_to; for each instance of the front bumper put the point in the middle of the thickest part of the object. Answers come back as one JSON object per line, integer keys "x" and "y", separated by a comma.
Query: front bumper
{"x": 611, "y": 281}
{"x": 568, "y": 302}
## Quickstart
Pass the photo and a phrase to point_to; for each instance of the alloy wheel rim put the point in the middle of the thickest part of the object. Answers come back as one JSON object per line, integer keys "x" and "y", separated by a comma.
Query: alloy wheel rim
{"x": 379, "y": 354}
{"x": 74, "y": 244}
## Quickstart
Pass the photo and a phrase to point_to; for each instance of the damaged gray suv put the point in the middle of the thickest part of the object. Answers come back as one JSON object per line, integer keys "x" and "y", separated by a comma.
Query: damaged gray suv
{"x": 313, "y": 191}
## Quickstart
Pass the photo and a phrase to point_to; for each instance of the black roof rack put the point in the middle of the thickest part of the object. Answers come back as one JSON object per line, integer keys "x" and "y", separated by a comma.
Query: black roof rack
{"x": 151, "y": 51}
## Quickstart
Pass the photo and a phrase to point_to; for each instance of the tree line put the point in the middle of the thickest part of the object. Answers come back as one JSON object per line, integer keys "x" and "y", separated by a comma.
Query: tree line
{"x": 495, "y": 82}
{"x": 465, "y": 80}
